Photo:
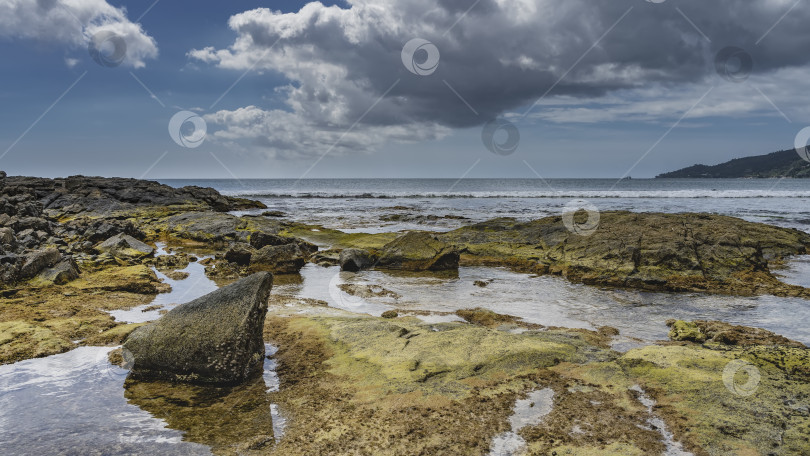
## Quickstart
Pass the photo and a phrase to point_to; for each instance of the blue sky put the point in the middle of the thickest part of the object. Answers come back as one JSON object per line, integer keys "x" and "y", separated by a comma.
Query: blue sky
{"x": 618, "y": 104}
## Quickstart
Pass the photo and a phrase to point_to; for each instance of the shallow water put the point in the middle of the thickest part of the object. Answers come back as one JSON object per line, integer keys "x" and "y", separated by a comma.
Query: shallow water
{"x": 673, "y": 447}
{"x": 553, "y": 301}
{"x": 74, "y": 403}
{"x": 526, "y": 412}
{"x": 197, "y": 284}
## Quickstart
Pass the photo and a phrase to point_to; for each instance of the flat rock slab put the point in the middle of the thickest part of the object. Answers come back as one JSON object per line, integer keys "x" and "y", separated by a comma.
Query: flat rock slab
{"x": 214, "y": 339}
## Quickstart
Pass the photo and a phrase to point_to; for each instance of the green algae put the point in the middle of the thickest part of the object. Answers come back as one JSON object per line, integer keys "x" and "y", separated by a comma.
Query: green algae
{"x": 43, "y": 321}
{"x": 690, "y": 384}
{"x": 231, "y": 420}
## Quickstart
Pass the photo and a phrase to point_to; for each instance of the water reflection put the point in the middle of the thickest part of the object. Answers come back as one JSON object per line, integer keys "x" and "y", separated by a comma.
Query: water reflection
{"x": 78, "y": 403}
{"x": 553, "y": 301}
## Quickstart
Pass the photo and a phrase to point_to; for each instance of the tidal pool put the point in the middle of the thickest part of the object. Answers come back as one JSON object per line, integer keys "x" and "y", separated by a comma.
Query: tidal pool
{"x": 551, "y": 301}
{"x": 78, "y": 403}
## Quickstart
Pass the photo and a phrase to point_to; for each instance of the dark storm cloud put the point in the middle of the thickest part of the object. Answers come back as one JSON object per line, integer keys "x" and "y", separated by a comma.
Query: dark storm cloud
{"x": 500, "y": 55}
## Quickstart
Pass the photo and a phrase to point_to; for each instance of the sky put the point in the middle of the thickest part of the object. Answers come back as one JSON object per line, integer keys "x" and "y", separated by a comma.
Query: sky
{"x": 397, "y": 88}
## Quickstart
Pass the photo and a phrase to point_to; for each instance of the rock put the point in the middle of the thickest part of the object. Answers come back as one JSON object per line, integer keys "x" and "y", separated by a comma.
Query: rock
{"x": 701, "y": 331}
{"x": 685, "y": 331}
{"x": 368, "y": 291}
{"x": 279, "y": 259}
{"x": 273, "y": 214}
{"x": 7, "y": 236}
{"x": 37, "y": 261}
{"x": 104, "y": 196}
{"x": 485, "y": 317}
{"x": 354, "y": 260}
{"x": 418, "y": 251}
{"x": 329, "y": 257}
{"x": 214, "y": 339}
{"x": 172, "y": 262}
{"x": 125, "y": 246}
{"x": 390, "y": 314}
{"x": 260, "y": 239}
{"x": 176, "y": 275}
{"x": 648, "y": 251}
{"x": 239, "y": 254}
{"x": 65, "y": 271}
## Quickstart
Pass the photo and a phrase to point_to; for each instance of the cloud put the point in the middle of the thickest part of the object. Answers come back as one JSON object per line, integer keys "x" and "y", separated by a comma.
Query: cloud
{"x": 498, "y": 56}
{"x": 776, "y": 94}
{"x": 73, "y": 23}
{"x": 283, "y": 134}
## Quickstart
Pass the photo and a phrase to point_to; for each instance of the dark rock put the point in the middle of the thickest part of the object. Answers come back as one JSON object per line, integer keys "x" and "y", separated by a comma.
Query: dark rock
{"x": 125, "y": 246}
{"x": 418, "y": 251}
{"x": 65, "y": 271}
{"x": 214, "y": 339}
{"x": 37, "y": 261}
{"x": 7, "y": 236}
{"x": 329, "y": 257}
{"x": 354, "y": 260}
{"x": 273, "y": 214}
{"x": 390, "y": 314}
{"x": 99, "y": 195}
{"x": 260, "y": 239}
{"x": 239, "y": 254}
{"x": 280, "y": 259}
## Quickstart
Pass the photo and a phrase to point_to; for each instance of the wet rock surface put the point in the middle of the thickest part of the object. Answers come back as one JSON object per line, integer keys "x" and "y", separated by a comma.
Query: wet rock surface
{"x": 667, "y": 252}
{"x": 354, "y": 260}
{"x": 701, "y": 331}
{"x": 214, "y": 339}
{"x": 418, "y": 251}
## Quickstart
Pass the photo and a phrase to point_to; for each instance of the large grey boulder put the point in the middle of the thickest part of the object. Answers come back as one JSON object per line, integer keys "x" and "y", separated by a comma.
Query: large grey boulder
{"x": 37, "y": 261}
{"x": 214, "y": 339}
{"x": 125, "y": 246}
{"x": 354, "y": 260}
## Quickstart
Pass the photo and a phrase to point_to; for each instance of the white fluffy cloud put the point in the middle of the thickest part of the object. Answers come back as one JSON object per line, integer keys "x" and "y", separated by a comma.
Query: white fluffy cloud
{"x": 499, "y": 55}
{"x": 74, "y": 23}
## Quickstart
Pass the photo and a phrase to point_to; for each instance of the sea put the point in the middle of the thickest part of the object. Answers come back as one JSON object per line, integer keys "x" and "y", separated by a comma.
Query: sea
{"x": 368, "y": 204}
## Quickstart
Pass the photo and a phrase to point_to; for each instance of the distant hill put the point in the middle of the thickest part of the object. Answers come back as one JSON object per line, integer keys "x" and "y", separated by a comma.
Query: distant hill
{"x": 785, "y": 163}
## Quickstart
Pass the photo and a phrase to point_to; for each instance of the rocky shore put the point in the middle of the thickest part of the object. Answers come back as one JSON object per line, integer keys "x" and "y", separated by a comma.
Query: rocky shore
{"x": 75, "y": 248}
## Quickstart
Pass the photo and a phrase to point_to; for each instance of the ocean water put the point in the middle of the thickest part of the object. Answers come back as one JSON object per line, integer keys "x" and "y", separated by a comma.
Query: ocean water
{"x": 395, "y": 204}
